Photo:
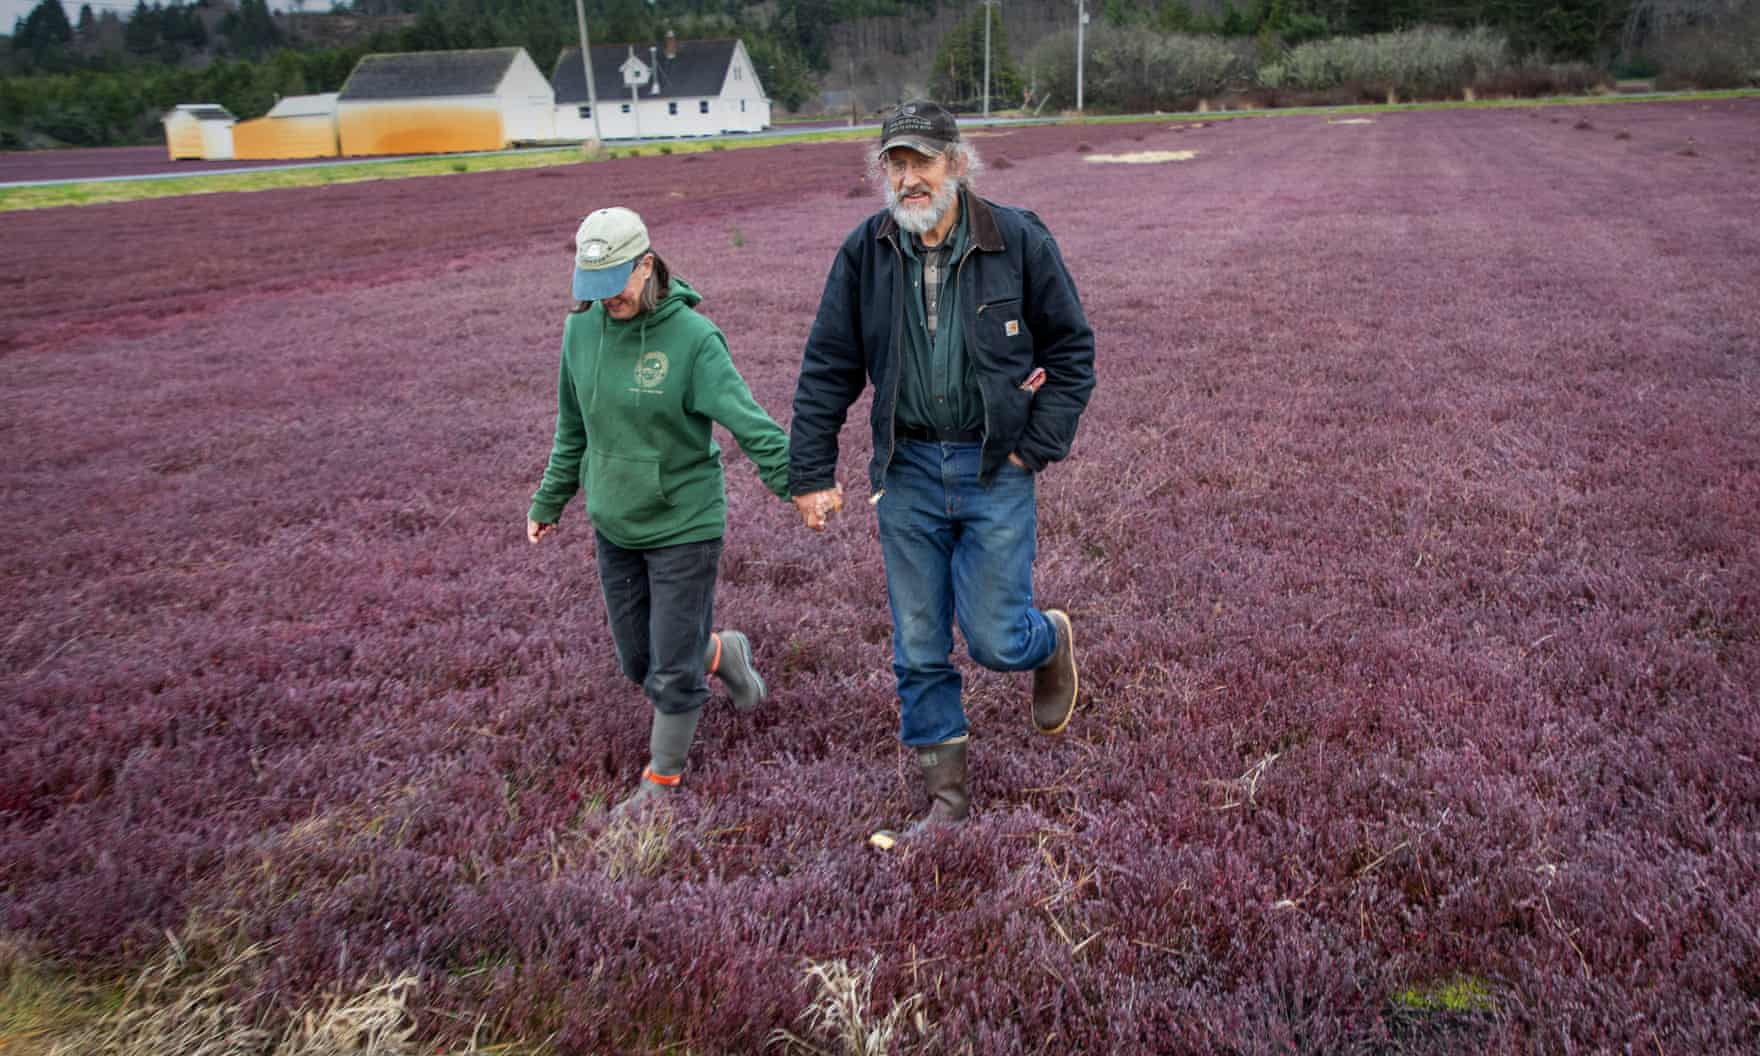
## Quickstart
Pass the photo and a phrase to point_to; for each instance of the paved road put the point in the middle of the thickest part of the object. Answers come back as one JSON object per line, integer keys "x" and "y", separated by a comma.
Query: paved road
{"x": 43, "y": 168}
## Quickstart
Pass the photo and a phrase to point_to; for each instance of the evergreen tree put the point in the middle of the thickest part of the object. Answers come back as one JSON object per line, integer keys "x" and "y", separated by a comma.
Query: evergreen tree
{"x": 141, "y": 32}
{"x": 958, "y": 76}
{"x": 44, "y": 35}
{"x": 251, "y": 29}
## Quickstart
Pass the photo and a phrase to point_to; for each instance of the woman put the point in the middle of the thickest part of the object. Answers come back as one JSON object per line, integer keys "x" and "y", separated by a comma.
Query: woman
{"x": 643, "y": 377}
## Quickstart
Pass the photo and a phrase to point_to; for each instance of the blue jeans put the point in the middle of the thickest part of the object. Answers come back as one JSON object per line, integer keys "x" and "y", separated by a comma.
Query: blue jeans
{"x": 660, "y": 604}
{"x": 956, "y": 549}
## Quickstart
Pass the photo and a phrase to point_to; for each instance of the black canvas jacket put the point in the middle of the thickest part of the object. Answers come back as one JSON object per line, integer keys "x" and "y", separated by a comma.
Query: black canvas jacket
{"x": 1019, "y": 309}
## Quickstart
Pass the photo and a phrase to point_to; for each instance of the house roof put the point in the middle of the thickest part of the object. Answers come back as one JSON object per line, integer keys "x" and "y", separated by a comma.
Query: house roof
{"x": 305, "y": 106}
{"x": 699, "y": 68}
{"x": 204, "y": 112}
{"x": 424, "y": 74}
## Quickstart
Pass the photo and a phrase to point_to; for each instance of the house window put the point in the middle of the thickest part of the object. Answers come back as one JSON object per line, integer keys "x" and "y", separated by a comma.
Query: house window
{"x": 626, "y": 108}
{"x": 703, "y": 107}
{"x": 742, "y": 106}
{"x": 586, "y": 111}
{"x": 736, "y": 73}
{"x": 672, "y": 108}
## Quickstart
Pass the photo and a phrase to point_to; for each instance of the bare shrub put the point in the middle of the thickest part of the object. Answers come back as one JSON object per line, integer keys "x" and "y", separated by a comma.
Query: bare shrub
{"x": 1711, "y": 56}
{"x": 1426, "y": 62}
{"x": 1135, "y": 69}
{"x": 842, "y": 1021}
{"x": 1534, "y": 80}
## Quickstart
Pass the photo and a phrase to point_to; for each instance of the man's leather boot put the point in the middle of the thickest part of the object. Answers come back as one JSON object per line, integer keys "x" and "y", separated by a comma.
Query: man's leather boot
{"x": 668, "y": 742}
{"x": 1054, "y": 682}
{"x": 729, "y": 657}
{"x": 944, "y": 778}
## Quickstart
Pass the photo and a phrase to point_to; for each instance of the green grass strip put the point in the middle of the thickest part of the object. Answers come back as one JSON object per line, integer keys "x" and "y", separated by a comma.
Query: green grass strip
{"x": 94, "y": 192}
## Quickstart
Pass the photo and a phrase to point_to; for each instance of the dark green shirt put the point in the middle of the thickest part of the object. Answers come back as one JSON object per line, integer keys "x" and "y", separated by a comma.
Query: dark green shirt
{"x": 937, "y": 389}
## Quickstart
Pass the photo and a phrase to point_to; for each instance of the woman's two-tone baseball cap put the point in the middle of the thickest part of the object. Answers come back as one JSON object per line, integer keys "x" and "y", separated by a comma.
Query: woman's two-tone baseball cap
{"x": 606, "y": 248}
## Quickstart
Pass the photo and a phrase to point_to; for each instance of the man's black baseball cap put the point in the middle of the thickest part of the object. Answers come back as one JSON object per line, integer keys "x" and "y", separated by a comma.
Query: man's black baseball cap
{"x": 924, "y": 126}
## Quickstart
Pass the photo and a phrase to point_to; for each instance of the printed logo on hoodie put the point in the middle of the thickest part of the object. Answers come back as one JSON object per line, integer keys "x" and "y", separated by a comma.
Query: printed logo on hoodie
{"x": 651, "y": 370}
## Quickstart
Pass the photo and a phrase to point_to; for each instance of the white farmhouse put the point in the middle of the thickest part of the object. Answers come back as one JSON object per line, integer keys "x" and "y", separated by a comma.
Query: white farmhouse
{"x": 684, "y": 88}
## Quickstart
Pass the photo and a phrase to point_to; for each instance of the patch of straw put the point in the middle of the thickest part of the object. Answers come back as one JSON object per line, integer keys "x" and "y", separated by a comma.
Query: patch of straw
{"x": 843, "y": 1023}
{"x": 636, "y": 846}
{"x": 187, "y": 1004}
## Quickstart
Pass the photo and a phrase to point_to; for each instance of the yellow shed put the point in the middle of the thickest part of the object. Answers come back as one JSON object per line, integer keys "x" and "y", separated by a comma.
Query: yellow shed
{"x": 299, "y": 126}
{"x": 438, "y": 102}
{"x": 200, "y": 131}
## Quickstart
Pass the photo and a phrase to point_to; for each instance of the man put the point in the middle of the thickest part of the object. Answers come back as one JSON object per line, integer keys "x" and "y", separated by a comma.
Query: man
{"x": 961, "y": 314}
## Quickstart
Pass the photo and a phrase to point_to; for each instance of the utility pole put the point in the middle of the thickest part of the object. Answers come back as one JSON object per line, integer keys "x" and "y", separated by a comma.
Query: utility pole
{"x": 987, "y": 5}
{"x": 1081, "y": 24}
{"x": 580, "y": 17}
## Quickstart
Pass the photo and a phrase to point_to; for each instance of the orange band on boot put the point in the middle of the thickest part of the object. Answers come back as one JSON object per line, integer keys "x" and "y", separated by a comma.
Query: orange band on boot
{"x": 669, "y": 780}
{"x": 715, "y": 664}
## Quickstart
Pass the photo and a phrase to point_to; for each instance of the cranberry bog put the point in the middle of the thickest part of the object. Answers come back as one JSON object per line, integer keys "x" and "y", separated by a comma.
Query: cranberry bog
{"x": 1410, "y": 540}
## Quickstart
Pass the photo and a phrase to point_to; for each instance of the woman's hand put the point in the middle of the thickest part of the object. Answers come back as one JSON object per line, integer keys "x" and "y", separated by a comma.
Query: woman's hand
{"x": 815, "y": 506}
{"x": 536, "y": 531}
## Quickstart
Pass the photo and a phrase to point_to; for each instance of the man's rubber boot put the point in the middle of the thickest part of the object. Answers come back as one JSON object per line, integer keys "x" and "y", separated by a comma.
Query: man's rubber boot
{"x": 944, "y": 777}
{"x": 668, "y": 742}
{"x": 1054, "y": 683}
{"x": 729, "y": 657}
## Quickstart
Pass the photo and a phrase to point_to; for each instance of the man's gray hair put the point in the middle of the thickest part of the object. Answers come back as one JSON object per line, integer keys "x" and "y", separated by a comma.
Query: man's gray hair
{"x": 955, "y": 152}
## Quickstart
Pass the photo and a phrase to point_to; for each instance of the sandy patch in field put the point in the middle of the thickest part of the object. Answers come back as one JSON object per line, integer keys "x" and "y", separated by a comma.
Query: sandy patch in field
{"x": 1144, "y": 157}
{"x": 1351, "y": 121}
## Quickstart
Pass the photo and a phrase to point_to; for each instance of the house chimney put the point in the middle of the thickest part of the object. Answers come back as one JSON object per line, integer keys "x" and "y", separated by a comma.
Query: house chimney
{"x": 671, "y": 45}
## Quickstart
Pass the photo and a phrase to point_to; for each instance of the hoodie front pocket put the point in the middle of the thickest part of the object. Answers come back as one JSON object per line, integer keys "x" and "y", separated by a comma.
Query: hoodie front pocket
{"x": 624, "y": 492}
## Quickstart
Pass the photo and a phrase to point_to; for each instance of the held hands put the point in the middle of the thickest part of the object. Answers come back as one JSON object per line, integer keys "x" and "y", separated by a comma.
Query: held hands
{"x": 536, "y": 531}
{"x": 815, "y": 506}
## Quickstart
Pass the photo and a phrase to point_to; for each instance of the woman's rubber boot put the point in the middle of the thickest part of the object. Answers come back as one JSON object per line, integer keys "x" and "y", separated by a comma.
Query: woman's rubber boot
{"x": 944, "y": 777}
{"x": 729, "y": 657}
{"x": 668, "y": 742}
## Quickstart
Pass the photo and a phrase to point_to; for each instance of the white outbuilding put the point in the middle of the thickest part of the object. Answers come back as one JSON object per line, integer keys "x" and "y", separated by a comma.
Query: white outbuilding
{"x": 200, "y": 131}
{"x": 680, "y": 88}
{"x": 435, "y": 102}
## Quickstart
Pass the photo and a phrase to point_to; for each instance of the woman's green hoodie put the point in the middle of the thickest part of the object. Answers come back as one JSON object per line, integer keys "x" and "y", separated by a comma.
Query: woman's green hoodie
{"x": 634, "y": 405}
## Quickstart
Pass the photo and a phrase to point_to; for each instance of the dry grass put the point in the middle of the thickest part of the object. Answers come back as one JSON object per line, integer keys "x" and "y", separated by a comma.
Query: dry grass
{"x": 38, "y": 1005}
{"x": 187, "y": 1003}
{"x": 842, "y": 1022}
{"x": 1242, "y": 791}
{"x": 636, "y": 846}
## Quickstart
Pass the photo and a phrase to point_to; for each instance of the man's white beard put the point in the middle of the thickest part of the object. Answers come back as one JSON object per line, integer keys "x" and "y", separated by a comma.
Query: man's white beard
{"x": 918, "y": 219}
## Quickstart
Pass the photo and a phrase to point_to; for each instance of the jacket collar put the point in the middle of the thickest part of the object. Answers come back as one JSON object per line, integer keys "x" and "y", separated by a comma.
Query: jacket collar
{"x": 982, "y": 230}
